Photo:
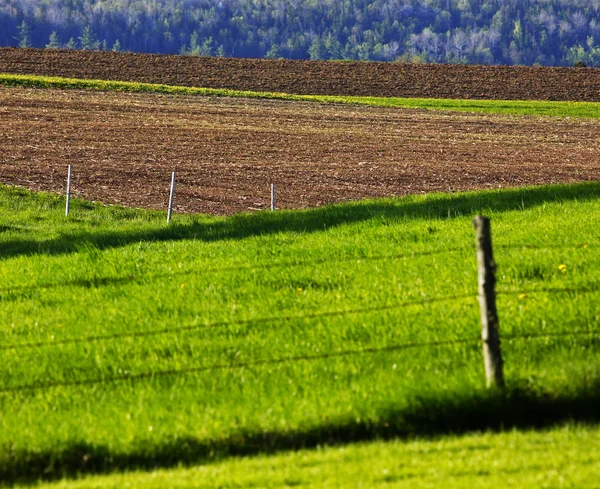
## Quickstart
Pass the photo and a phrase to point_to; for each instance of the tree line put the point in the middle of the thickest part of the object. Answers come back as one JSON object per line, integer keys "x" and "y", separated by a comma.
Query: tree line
{"x": 528, "y": 32}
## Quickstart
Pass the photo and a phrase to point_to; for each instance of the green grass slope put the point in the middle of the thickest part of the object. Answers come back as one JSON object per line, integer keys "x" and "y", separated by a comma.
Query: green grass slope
{"x": 512, "y": 107}
{"x": 127, "y": 343}
{"x": 565, "y": 457}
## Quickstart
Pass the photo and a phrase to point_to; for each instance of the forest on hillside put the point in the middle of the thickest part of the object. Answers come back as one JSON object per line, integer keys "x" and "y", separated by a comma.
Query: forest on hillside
{"x": 514, "y": 32}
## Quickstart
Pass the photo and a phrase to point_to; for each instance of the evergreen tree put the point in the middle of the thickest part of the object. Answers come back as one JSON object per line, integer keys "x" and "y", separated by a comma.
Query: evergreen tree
{"x": 317, "y": 48}
{"x": 87, "y": 40}
{"x": 53, "y": 41}
{"x": 332, "y": 46}
{"x": 273, "y": 52}
{"x": 458, "y": 31}
{"x": 194, "y": 46}
{"x": 206, "y": 48}
{"x": 24, "y": 35}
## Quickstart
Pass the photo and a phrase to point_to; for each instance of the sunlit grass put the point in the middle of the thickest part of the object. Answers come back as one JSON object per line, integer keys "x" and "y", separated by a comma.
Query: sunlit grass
{"x": 110, "y": 271}
{"x": 566, "y": 457}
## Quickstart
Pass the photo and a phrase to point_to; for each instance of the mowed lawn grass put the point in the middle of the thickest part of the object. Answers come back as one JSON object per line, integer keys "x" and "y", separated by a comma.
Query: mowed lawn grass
{"x": 127, "y": 343}
{"x": 512, "y": 107}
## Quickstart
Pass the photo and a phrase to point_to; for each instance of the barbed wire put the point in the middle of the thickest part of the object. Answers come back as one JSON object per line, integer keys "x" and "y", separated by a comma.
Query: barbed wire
{"x": 99, "y": 281}
{"x": 222, "y": 324}
{"x": 278, "y": 361}
{"x": 274, "y": 319}
{"x": 552, "y": 290}
{"x": 550, "y": 334}
{"x": 275, "y": 361}
{"x": 152, "y": 277}
{"x": 549, "y": 247}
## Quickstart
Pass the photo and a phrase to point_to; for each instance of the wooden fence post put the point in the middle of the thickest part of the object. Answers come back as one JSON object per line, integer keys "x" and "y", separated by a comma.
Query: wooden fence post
{"x": 492, "y": 356}
{"x": 68, "y": 205}
{"x": 171, "y": 198}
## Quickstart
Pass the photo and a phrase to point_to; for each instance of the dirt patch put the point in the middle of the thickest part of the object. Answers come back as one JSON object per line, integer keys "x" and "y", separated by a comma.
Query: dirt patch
{"x": 227, "y": 151}
{"x": 314, "y": 77}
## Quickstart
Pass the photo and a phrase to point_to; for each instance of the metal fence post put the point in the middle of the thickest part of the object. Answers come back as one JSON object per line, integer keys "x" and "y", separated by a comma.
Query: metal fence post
{"x": 68, "y": 205}
{"x": 171, "y": 197}
{"x": 272, "y": 196}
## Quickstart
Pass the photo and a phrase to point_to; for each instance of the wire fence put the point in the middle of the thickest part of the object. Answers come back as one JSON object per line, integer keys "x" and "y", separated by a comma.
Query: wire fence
{"x": 286, "y": 318}
{"x": 242, "y": 322}
{"x": 284, "y": 360}
{"x": 112, "y": 280}
{"x": 241, "y": 268}
{"x": 587, "y": 288}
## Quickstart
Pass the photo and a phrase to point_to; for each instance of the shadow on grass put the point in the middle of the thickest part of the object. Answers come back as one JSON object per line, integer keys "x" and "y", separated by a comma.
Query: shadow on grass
{"x": 240, "y": 226}
{"x": 429, "y": 417}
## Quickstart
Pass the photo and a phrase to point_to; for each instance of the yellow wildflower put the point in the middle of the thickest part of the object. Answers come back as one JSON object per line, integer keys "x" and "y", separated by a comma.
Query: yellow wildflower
{"x": 562, "y": 268}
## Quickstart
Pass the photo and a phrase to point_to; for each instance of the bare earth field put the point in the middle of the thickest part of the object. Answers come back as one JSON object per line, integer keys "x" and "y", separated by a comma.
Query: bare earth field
{"x": 227, "y": 151}
{"x": 313, "y": 77}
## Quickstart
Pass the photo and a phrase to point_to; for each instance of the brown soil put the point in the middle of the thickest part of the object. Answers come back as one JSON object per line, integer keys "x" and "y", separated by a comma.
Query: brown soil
{"x": 314, "y": 77}
{"x": 227, "y": 151}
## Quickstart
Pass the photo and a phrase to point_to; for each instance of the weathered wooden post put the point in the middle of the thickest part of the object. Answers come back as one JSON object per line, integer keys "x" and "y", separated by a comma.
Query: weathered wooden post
{"x": 68, "y": 206}
{"x": 171, "y": 198}
{"x": 492, "y": 356}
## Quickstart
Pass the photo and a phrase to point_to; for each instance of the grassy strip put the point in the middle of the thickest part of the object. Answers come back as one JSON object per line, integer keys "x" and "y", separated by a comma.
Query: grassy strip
{"x": 563, "y": 457}
{"x": 106, "y": 271}
{"x": 512, "y": 107}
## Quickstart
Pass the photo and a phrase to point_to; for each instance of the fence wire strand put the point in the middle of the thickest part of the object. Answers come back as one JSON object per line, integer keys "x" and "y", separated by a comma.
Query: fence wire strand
{"x": 99, "y": 281}
{"x": 267, "y": 320}
{"x": 546, "y": 247}
{"x": 550, "y": 334}
{"x": 552, "y": 290}
{"x": 222, "y": 366}
{"x": 224, "y": 324}
{"x": 285, "y": 360}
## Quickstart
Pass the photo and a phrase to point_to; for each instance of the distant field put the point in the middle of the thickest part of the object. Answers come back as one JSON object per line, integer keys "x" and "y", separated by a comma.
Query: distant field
{"x": 227, "y": 151}
{"x": 129, "y": 344}
{"x": 511, "y": 107}
{"x": 365, "y": 79}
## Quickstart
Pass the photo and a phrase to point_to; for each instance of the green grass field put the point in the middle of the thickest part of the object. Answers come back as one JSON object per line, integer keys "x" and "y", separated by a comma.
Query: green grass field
{"x": 565, "y": 457}
{"x": 129, "y": 344}
{"x": 512, "y": 107}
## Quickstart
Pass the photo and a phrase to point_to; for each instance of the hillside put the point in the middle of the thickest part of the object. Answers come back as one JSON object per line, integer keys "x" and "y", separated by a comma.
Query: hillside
{"x": 527, "y": 32}
{"x": 130, "y": 344}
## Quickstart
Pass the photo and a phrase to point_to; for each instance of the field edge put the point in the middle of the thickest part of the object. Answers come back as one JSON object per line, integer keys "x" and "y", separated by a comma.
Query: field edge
{"x": 505, "y": 107}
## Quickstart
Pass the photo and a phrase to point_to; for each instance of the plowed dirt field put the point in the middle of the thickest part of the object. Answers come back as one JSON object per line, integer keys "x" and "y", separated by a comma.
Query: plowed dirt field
{"x": 314, "y": 77}
{"x": 227, "y": 151}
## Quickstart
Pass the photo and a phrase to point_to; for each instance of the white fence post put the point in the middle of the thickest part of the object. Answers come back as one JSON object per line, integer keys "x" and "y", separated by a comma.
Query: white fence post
{"x": 272, "y": 196}
{"x": 68, "y": 206}
{"x": 171, "y": 198}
